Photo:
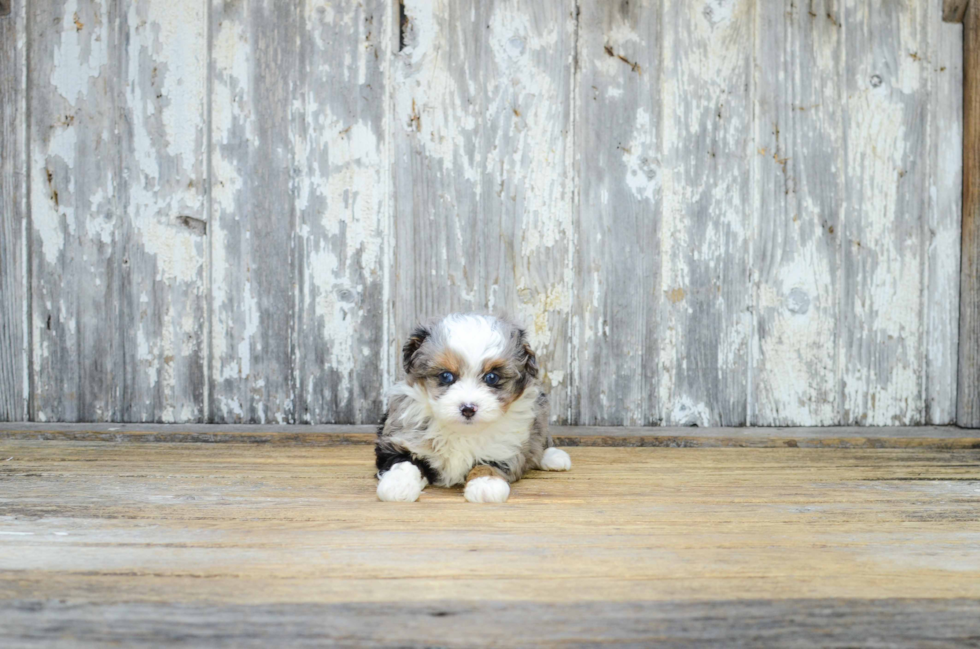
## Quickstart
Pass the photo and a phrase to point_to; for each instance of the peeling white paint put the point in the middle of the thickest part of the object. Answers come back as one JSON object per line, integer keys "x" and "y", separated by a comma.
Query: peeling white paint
{"x": 82, "y": 50}
{"x": 888, "y": 265}
{"x": 431, "y": 104}
{"x": 642, "y": 159}
{"x": 491, "y": 141}
{"x": 179, "y": 253}
{"x": 231, "y": 80}
{"x": 707, "y": 58}
{"x": 686, "y": 412}
{"x": 50, "y": 210}
{"x": 326, "y": 292}
{"x": 941, "y": 333}
{"x": 555, "y": 377}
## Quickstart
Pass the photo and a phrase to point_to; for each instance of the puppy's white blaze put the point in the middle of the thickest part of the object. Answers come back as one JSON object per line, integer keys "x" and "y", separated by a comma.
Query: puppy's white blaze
{"x": 555, "y": 459}
{"x": 487, "y": 490}
{"x": 475, "y": 338}
{"x": 401, "y": 483}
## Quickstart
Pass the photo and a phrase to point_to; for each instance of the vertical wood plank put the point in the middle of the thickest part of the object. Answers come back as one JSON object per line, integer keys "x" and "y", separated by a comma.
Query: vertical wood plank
{"x": 481, "y": 127}
{"x": 342, "y": 176}
{"x": 968, "y": 400}
{"x": 72, "y": 79}
{"x": 942, "y": 233}
{"x": 886, "y": 196}
{"x": 162, "y": 211}
{"x": 14, "y": 294}
{"x": 799, "y": 145}
{"x": 707, "y": 132}
{"x": 117, "y": 199}
{"x": 256, "y": 79}
{"x": 617, "y": 264}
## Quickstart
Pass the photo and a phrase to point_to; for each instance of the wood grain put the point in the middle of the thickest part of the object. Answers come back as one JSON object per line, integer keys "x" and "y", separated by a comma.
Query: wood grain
{"x": 14, "y": 224}
{"x": 954, "y": 10}
{"x": 117, "y": 150}
{"x": 617, "y": 306}
{"x": 968, "y": 401}
{"x": 799, "y": 167}
{"x": 883, "y": 215}
{"x": 73, "y": 80}
{"x": 132, "y": 529}
{"x": 944, "y": 71}
{"x": 804, "y": 622}
{"x": 161, "y": 222}
{"x": 717, "y": 213}
{"x": 481, "y": 135}
{"x": 341, "y": 174}
{"x": 254, "y": 201}
{"x": 707, "y": 131}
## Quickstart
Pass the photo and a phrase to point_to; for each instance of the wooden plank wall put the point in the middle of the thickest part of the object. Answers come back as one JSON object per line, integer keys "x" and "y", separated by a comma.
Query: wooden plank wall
{"x": 968, "y": 407}
{"x": 119, "y": 211}
{"x": 14, "y": 225}
{"x": 723, "y": 212}
{"x": 798, "y": 167}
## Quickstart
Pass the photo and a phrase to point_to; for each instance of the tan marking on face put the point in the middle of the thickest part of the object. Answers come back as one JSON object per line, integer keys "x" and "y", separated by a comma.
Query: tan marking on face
{"x": 510, "y": 398}
{"x": 449, "y": 361}
{"x": 493, "y": 365}
{"x": 483, "y": 471}
{"x": 499, "y": 365}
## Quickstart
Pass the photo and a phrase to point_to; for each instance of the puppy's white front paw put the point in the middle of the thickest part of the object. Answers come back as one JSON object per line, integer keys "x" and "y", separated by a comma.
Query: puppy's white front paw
{"x": 401, "y": 483}
{"x": 555, "y": 459}
{"x": 487, "y": 490}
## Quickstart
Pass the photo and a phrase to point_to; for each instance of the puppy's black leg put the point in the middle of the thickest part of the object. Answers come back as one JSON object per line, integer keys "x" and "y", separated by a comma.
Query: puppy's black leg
{"x": 388, "y": 455}
{"x": 401, "y": 476}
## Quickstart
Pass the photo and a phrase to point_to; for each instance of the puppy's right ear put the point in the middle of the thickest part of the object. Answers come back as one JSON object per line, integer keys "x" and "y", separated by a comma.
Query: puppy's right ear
{"x": 415, "y": 340}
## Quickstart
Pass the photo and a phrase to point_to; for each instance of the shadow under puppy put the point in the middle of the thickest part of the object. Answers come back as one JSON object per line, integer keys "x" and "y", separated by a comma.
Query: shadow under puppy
{"x": 470, "y": 410}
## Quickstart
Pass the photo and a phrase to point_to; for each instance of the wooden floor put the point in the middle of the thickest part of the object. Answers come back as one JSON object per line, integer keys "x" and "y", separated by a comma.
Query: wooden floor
{"x": 264, "y": 545}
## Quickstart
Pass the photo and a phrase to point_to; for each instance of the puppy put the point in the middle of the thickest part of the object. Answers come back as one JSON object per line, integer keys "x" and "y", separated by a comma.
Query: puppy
{"x": 471, "y": 410}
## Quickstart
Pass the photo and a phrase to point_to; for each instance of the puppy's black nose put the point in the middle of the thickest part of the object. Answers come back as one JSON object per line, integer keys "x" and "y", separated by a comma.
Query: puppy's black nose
{"x": 467, "y": 410}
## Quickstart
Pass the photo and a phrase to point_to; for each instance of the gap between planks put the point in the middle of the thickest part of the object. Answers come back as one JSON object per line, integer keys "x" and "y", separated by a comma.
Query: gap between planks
{"x": 926, "y": 437}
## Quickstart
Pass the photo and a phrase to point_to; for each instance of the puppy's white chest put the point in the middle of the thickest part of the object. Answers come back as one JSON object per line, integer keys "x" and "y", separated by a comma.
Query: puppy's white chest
{"x": 454, "y": 452}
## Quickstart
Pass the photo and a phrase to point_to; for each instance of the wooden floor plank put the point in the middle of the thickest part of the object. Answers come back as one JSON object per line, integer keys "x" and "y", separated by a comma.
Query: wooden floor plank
{"x": 225, "y": 544}
{"x": 747, "y": 623}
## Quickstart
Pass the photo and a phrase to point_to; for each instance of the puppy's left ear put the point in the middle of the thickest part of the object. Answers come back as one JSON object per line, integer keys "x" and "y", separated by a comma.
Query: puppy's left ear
{"x": 527, "y": 359}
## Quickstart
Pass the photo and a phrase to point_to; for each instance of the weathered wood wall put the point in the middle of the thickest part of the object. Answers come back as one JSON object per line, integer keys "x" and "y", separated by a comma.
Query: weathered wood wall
{"x": 14, "y": 252}
{"x": 968, "y": 406}
{"x": 721, "y": 212}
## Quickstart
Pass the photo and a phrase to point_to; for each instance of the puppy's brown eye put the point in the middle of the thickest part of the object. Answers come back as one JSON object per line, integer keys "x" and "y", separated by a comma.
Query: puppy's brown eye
{"x": 447, "y": 378}
{"x": 491, "y": 378}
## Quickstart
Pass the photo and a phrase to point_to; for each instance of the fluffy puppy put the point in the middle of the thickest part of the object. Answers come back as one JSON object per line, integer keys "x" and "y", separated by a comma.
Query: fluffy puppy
{"x": 471, "y": 410}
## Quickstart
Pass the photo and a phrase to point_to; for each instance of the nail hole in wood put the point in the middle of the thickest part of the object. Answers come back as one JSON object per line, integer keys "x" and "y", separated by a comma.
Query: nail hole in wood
{"x": 197, "y": 226}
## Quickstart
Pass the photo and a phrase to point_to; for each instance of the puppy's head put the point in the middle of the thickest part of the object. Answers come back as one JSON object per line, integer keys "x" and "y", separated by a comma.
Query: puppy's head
{"x": 472, "y": 367}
